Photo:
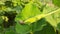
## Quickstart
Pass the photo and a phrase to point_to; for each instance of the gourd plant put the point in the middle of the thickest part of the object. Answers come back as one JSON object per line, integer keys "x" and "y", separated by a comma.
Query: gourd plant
{"x": 29, "y": 17}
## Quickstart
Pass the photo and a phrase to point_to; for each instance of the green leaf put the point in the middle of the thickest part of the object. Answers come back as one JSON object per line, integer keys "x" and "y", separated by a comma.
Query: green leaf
{"x": 44, "y": 14}
{"x": 56, "y": 2}
{"x": 54, "y": 18}
{"x": 29, "y": 11}
{"x": 48, "y": 29}
{"x": 22, "y": 29}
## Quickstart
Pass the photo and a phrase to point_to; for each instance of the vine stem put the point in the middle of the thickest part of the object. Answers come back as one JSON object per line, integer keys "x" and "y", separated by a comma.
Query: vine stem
{"x": 38, "y": 17}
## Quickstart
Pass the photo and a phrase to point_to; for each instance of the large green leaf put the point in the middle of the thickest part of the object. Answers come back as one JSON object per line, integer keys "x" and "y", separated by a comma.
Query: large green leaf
{"x": 48, "y": 29}
{"x": 53, "y": 19}
{"x": 56, "y": 2}
{"x": 29, "y": 11}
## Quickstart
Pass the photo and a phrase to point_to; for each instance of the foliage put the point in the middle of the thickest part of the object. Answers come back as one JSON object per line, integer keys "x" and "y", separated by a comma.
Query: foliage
{"x": 29, "y": 17}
